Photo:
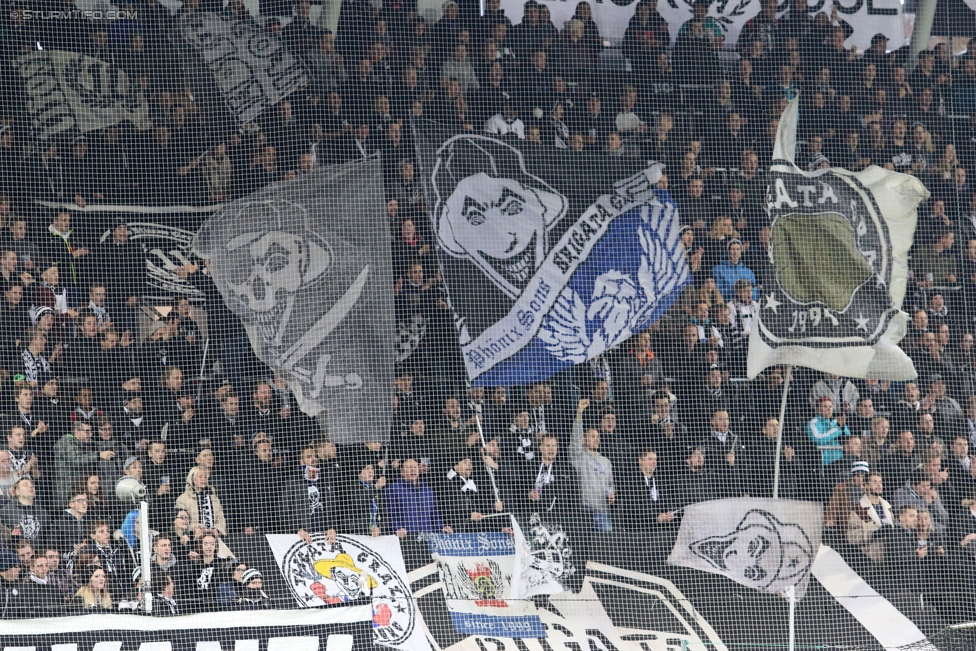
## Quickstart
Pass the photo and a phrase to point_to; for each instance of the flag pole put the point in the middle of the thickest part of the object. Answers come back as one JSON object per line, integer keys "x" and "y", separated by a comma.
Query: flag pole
{"x": 779, "y": 437}
{"x": 791, "y": 591}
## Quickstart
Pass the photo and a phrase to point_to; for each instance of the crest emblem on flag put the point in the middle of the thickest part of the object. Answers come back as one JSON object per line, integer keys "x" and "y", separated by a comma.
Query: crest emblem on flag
{"x": 839, "y": 245}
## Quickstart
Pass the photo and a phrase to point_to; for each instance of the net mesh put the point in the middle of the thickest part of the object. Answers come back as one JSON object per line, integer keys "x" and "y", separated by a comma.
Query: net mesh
{"x": 432, "y": 326}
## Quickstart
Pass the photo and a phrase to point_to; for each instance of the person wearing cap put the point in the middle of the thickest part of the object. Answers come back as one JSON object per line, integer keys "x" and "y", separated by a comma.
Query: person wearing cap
{"x": 846, "y": 494}
{"x": 12, "y": 602}
{"x": 74, "y": 454}
{"x": 825, "y": 431}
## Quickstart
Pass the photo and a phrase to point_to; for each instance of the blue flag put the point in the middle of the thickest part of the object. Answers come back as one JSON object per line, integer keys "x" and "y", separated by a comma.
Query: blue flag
{"x": 546, "y": 265}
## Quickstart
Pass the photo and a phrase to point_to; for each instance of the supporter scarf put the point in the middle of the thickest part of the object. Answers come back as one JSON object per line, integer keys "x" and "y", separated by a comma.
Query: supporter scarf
{"x": 100, "y": 313}
{"x": 205, "y": 507}
{"x": 60, "y": 297}
{"x": 468, "y": 484}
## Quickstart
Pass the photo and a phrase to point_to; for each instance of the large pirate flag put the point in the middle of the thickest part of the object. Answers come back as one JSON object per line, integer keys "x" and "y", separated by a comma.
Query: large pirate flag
{"x": 839, "y": 245}
{"x": 768, "y": 545}
{"x": 546, "y": 264}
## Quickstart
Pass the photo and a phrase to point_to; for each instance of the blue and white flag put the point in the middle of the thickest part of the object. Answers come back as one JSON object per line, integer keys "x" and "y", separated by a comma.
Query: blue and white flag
{"x": 547, "y": 263}
{"x": 477, "y": 571}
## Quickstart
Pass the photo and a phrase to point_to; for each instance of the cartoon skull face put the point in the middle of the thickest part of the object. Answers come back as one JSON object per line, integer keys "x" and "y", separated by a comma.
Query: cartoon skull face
{"x": 278, "y": 260}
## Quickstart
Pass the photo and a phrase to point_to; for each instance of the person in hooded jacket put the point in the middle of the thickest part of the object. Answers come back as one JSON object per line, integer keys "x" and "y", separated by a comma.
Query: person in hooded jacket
{"x": 731, "y": 270}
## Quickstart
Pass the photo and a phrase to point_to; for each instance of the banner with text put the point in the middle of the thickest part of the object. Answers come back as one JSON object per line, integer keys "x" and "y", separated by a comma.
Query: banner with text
{"x": 867, "y": 17}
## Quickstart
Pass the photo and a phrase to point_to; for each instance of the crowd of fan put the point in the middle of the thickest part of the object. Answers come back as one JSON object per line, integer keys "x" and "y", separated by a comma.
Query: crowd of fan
{"x": 621, "y": 443}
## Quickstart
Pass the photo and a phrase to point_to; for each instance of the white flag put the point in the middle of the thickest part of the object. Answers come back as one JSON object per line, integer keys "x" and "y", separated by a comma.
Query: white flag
{"x": 839, "y": 245}
{"x": 543, "y": 561}
{"x": 765, "y": 544}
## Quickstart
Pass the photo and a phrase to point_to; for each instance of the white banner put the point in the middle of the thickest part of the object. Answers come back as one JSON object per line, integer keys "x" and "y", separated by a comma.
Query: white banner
{"x": 867, "y": 17}
{"x": 352, "y": 570}
{"x": 68, "y": 90}
{"x": 765, "y": 544}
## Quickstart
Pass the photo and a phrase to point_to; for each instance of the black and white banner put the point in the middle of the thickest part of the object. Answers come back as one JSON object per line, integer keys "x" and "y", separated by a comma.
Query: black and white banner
{"x": 844, "y": 316}
{"x": 68, "y": 90}
{"x": 306, "y": 266}
{"x": 867, "y": 17}
{"x": 253, "y": 69}
{"x": 768, "y": 545}
{"x": 334, "y": 629}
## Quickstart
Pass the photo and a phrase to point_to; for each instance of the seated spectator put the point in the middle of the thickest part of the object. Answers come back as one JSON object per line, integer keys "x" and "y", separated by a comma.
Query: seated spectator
{"x": 94, "y": 594}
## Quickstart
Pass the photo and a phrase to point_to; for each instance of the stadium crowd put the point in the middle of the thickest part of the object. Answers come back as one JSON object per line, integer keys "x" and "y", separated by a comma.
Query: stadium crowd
{"x": 621, "y": 443}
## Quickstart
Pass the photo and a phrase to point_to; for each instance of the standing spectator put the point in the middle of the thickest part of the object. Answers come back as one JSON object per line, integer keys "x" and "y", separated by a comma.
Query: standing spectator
{"x": 871, "y": 522}
{"x": 23, "y": 518}
{"x": 72, "y": 526}
{"x": 594, "y": 471}
{"x": 75, "y": 456}
{"x": 202, "y": 504}
{"x": 412, "y": 505}
{"x": 825, "y": 431}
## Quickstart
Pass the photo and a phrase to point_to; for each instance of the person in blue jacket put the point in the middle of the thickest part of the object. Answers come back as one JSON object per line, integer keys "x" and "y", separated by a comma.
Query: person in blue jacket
{"x": 825, "y": 430}
{"x": 732, "y": 269}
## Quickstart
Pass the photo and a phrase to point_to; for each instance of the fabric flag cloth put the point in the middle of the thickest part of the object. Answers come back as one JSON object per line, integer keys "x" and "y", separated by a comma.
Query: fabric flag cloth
{"x": 67, "y": 90}
{"x": 547, "y": 263}
{"x": 306, "y": 266}
{"x": 477, "y": 571}
{"x": 839, "y": 245}
{"x": 252, "y": 67}
{"x": 765, "y": 544}
{"x": 546, "y": 564}
{"x": 354, "y": 570}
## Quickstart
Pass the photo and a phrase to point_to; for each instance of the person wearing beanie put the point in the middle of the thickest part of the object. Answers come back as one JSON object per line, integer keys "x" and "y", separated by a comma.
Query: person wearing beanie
{"x": 252, "y": 595}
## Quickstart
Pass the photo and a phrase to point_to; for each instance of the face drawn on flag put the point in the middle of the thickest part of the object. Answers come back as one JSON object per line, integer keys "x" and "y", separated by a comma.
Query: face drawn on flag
{"x": 545, "y": 265}
{"x": 499, "y": 222}
{"x": 305, "y": 264}
{"x": 767, "y": 545}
